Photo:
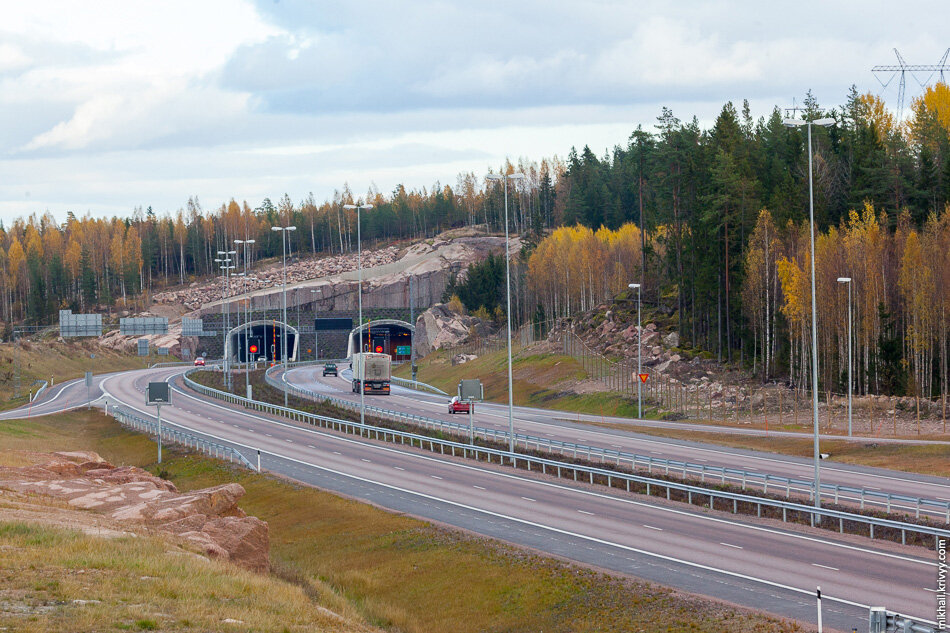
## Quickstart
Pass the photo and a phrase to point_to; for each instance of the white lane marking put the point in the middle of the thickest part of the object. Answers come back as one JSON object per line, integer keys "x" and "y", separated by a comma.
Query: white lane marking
{"x": 435, "y": 476}
{"x": 825, "y": 567}
{"x": 479, "y": 487}
{"x": 399, "y": 468}
{"x": 931, "y": 590}
{"x": 291, "y": 441}
{"x": 730, "y": 545}
{"x": 366, "y": 460}
{"x": 250, "y": 430}
{"x": 310, "y": 446}
{"x": 553, "y": 485}
{"x": 528, "y": 499}
{"x": 235, "y": 426}
{"x": 650, "y": 527}
{"x": 337, "y": 453}
{"x": 586, "y": 512}
{"x": 268, "y": 435}
{"x": 593, "y": 539}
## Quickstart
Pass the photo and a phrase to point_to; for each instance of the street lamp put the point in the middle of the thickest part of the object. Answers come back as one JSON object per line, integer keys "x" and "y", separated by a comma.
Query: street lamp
{"x": 814, "y": 307}
{"x": 226, "y": 310}
{"x": 639, "y": 352}
{"x": 247, "y": 320}
{"x": 359, "y": 328}
{"x": 316, "y": 334}
{"x": 847, "y": 280}
{"x": 511, "y": 403}
{"x": 283, "y": 339}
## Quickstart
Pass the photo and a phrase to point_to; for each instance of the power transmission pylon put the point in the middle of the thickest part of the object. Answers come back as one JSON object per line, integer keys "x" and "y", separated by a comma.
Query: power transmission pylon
{"x": 902, "y": 68}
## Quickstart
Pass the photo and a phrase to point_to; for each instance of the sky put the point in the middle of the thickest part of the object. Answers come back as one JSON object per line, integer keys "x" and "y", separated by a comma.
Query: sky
{"x": 118, "y": 104}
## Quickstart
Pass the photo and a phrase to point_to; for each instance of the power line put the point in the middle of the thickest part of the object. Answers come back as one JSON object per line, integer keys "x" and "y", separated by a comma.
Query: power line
{"x": 902, "y": 68}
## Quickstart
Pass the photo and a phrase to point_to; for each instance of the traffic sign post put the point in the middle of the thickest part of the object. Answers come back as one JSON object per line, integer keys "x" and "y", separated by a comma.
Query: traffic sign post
{"x": 471, "y": 389}
{"x": 158, "y": 393}
{"x": 88, "y": 385}
{"x": 643, "y": 377}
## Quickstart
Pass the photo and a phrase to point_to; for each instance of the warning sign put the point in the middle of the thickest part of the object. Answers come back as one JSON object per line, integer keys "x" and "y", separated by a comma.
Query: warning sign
{"x": 643, "y": 377}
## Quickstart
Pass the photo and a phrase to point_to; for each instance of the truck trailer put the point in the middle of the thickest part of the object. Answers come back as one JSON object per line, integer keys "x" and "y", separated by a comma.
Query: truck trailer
{"x": 371, "y": 372}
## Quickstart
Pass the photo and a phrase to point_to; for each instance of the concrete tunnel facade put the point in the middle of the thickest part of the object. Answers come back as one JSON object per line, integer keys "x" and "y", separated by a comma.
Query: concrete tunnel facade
{"x": 261, "y": 339}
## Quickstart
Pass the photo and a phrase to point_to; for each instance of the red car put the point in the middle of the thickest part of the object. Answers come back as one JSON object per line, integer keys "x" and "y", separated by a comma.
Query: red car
{"x": 199, "y": 362}
{"x": 460, "y": 406}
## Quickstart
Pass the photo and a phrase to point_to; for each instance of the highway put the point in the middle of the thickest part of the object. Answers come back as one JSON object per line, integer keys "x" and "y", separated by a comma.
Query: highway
{"x": 556, "y": 425}
{"x": 733, "y": 559}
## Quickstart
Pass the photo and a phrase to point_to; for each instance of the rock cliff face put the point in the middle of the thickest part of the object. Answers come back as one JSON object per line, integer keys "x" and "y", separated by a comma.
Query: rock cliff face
{"x": 440, "y": 327}
{"x": 208, "y": 519}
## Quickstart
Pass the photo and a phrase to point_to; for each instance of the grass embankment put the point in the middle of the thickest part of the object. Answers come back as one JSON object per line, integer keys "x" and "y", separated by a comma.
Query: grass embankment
{"x": 60, "y": 361}
{"x": 400, "y": 573}
{"x": 531, "y": 373}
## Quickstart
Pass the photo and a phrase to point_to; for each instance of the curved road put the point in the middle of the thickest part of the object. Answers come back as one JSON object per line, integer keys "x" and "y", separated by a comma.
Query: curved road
{"x": 551, "y": 424}
{"x": 733, "y": 559}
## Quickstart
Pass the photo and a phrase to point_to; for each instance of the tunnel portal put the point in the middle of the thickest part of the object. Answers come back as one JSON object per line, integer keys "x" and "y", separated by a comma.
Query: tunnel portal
{"x": 262, "y": 340}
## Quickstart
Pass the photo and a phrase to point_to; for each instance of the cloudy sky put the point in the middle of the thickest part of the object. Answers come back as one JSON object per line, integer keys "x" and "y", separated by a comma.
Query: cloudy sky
{"x": 125, "y": 103}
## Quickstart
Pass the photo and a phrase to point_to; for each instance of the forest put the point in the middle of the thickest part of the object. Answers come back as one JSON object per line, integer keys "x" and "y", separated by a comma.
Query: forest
{"x": 712, "y": 221}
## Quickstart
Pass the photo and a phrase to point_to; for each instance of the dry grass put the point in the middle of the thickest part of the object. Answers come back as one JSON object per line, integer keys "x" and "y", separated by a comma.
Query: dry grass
{"x": 407, "y": 575}
{"x": 61, "y": 361}
{"x": 55, "y": 579}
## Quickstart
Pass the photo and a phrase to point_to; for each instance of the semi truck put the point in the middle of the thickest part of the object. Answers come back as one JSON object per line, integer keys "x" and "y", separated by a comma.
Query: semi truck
{"x": 371, "y": 372}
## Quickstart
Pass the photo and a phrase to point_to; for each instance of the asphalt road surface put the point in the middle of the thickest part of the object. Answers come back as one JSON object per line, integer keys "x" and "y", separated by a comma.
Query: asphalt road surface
{"x": 555, "y": 426}
{"x": 730, "y": 558}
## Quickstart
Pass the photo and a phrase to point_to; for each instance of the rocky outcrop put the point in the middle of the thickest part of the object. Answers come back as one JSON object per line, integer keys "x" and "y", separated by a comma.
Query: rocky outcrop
{"x": 440, "y": 327}
{"x": 208, "y": 519}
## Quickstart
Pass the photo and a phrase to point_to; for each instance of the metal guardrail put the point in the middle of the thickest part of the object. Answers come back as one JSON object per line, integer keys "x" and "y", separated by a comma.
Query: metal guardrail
{"x": 736, "y": 476}
{"x": 43, "y": 385}
{"x": 880, "y": 620}
{"x": 563, "y": 469}
{"x": 418, "y": 386}
{"x": 200, "y": 444}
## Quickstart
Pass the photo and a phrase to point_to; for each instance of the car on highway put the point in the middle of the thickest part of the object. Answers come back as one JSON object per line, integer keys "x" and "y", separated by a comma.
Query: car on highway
{"x": 199, "y": 362}
{"x": 460, "y": 406}
{"x": 329, "y": 369}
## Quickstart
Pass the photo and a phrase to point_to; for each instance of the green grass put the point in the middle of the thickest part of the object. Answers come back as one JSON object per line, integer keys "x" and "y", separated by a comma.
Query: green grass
{"x": 403, "y": 574}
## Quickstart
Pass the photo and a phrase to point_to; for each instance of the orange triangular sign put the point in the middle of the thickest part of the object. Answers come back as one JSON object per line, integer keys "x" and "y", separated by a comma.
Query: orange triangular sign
{"x": 643, "y": 377}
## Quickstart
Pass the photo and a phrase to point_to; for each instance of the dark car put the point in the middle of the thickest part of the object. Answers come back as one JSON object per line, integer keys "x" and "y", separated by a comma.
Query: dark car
{"x": 329, "y": 369}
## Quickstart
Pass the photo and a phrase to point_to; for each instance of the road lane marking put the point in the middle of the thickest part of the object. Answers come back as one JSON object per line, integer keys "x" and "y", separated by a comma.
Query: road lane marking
{"x": 807, "y": 592}
{"x": 528, "y": 499}
{"x": 337, "y": 453}
{"x": 435, "y": 476}
{"x": 553, "y": 485}
{"x": 366, "y": 460}
{"x": 826, "y": 567}
{"x": 310, "y": 446}
{"x": 730, "y": 545}
{"x": 650, "y": 527}
{"x": 586, "y": 512}
{"x": 479, "y": 487}
{"x": 268, "y": 435}
{"x": 399, "y": 468}
{"x": 931, "y": 590}
{"x": 291, "y": 441}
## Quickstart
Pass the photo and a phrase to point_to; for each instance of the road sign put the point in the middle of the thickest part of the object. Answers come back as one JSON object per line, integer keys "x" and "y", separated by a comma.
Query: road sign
{"x": 471, "y": 389}
{"x": 643, "y": 377}
{"x": 403, "y": 350}
{"x": 158, "y": 393}
{"x": 329, "y": 325}
{"x": 142, "y": 346}
{"x": 379, "y": 349}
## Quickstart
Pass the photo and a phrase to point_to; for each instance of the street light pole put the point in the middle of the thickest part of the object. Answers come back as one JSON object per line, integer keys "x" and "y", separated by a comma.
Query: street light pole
{"x": 247, "y": 321}
{"x": 847, "y": 280}
{"x": 283, "y": 338}
{"x": 359, "y": 328}
{"x": 511, "y": 405}
{"x": 814, "y": 306}
{"x": 316, "y": 335}
{"x": 639, "y": 353}
{"x": 226, "y": 312}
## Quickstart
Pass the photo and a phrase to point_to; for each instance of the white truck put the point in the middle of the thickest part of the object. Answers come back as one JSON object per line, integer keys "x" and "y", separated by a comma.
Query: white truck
{"x": 371, "y": 372}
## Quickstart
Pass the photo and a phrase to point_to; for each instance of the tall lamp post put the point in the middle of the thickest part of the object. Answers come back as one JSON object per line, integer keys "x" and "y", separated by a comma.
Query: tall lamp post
{"x": 639, "y": 353}
{"x": 316, "y": 335}
{"x": 847, "y": 280}
{"x": 814, "y": 307}
{"x": 226, "y": 267}
{"x": 511, "y": 402}
{"x": 247, "y": 377}
{"x": 359, "y": 328}
{"x": 283, "y": 339}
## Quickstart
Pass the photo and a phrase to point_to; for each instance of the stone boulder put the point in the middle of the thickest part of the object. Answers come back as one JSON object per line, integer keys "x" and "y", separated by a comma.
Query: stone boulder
{"x": 440, "y": 327}
{"x": 672, "y": 339}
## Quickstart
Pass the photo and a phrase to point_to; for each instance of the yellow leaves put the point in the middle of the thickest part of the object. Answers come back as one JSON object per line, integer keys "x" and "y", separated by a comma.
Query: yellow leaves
{"x": 875, "y": 112}
{"x": 931, "y": 108}
{"x": 795, "y": 291}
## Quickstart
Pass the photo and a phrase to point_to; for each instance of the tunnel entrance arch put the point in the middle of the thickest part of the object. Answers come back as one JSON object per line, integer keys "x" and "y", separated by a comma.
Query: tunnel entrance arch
{"x": 264, "y": 339}
{"x": 387, "y": 336}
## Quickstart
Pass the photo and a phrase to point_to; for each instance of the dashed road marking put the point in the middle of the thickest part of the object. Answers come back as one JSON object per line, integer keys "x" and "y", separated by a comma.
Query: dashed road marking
{"x": 826, "y": 567}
